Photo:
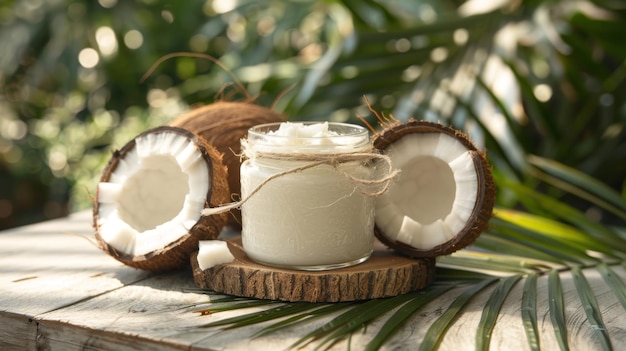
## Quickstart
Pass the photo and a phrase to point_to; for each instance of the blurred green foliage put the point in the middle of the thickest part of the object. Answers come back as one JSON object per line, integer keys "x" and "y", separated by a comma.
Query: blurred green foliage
{"x": 522, "y": 78}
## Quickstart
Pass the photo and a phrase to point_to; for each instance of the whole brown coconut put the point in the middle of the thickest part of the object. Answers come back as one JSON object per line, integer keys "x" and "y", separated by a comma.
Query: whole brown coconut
{"x": 147, "y": 210}
{"x": 223, "y": 124}
{"x": 444, "y": 197}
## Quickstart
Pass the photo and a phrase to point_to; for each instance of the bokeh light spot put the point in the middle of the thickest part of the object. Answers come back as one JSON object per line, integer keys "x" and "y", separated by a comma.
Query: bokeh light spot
{"x": 88, "y": 58}
{"x": 199, "y": 43}
{"x": 107, "y": 4}
{"x": 13, "y": 129}
{"x": 57, "y": 160}
{"x": 460, "y": 36}
{"x": 224, "y": 6}
{"x": 439, "y": 54}
{"x": 168, "y": 16}
{"x": 107, "y": 43}
{"x": 411, "y": 73}
{"x": 402, "y": 45}
{"x": 133, "y": 39}
{"x": 542, "y": 92}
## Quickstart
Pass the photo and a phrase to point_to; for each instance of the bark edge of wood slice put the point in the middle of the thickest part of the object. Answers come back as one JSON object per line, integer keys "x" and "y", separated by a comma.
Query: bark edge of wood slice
{"x": 385, "y": 274}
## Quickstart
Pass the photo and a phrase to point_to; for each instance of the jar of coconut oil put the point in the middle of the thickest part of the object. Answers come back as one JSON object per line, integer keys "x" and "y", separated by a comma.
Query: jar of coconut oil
{"x": 303, "y": 208}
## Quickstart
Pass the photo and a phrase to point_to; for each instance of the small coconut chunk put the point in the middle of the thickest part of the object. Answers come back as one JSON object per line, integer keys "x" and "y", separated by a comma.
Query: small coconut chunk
{"x": 213, "y": 252}
{"x": 434, "y": 234}
{"x": 108, "y": 192}
{"x": 118, "y": 233}
{"x": 386, "y": 215}
{"x": 407, "y": 231}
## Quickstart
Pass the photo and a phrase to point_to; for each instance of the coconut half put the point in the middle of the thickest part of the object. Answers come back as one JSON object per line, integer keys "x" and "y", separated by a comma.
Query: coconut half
{"x": 444, "y": 196}
{"x": 147, "y": 211}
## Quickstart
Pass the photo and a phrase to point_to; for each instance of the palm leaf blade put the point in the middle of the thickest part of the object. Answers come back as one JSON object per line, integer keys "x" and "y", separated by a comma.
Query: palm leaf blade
{"x": 352, "y": 319}
{"x": 306, "y": 316}
{"x": 402, "y": 314}
{"x": 522, "y": 236}
{"x": 497, "y": 242}
{"x": 459, "y": 275}
{"x": 557, "y": 309}
{"x": 529, "y": 311}
{"x": 435, "y": 333}
{"x": 590, "y": 188}
{"x": 218, "y": 305}
{"x": 592, "y": 310}
{"x": 542, "y": 230}
{"x": 569, "y": 214}
{"x": 364, "y": 316}
{"x": 615, "y": 283}
{"x": 492, "y": 309}
{"x": 480, "y": 261}
{"x": 263, "y": 316}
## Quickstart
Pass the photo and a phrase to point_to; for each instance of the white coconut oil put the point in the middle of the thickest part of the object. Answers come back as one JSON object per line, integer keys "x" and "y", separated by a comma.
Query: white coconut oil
{"x": 302, "y": 210}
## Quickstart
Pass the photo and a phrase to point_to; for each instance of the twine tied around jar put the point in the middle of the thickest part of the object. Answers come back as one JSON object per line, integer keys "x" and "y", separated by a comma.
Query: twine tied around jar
{"x": 369, "y": 187}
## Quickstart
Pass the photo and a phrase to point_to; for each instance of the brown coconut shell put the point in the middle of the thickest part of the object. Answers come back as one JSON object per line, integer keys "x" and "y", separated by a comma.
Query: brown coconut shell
{"x": 486, "y": 194}
{"x": 223, "y": 124}
{"x": 175, "y": 254}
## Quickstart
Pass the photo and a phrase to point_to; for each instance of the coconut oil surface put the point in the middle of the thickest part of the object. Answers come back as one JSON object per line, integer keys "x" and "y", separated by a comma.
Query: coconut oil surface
{"x": 303, "y": 212}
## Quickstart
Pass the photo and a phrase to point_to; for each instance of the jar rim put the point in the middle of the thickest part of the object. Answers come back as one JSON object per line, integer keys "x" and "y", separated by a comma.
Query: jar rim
{"x": 349, "y": 137}
{"x": 349, "y": 129}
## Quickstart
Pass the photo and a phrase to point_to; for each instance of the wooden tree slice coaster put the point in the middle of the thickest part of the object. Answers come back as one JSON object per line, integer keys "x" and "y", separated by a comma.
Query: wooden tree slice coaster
{"x": 386, "y": 273}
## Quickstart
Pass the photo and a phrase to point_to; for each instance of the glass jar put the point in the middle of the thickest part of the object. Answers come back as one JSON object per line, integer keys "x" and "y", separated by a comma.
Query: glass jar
{"x": 302, "y": 210}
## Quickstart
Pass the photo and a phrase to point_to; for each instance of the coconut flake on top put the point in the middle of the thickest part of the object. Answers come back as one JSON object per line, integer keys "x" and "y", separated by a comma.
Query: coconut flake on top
{"x": 302, "y": 130}
{"x": 298, "y": 133}
{"x": 306, "y": 137}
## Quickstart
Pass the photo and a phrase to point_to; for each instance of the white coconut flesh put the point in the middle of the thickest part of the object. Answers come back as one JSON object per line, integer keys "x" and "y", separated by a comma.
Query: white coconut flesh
{"x": 155, "y": 194}
{"x": 212, "y": 253}
{"x": 435, "y": 194}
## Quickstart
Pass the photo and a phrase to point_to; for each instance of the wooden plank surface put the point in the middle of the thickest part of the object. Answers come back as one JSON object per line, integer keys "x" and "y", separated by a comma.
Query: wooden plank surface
{"x": 50, "y": 265}
{"x": 59, "y": 292}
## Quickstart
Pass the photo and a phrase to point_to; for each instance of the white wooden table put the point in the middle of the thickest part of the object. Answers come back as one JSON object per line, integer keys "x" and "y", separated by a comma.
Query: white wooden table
{"x": 59, "y": 292}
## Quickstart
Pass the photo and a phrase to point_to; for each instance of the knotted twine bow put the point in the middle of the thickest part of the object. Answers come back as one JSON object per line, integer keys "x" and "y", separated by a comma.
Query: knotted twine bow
{"x": 335, "y": 160}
